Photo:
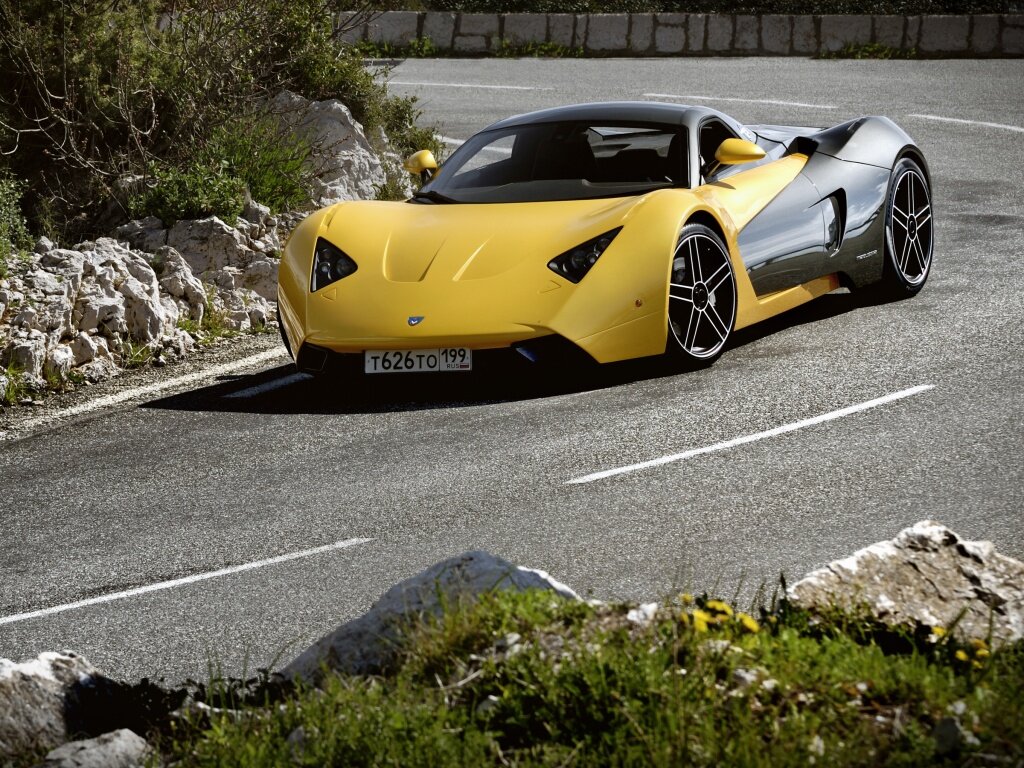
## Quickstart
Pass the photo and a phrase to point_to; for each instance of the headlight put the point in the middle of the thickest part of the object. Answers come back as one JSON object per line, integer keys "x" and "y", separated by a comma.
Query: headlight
{"x": 330, "y": 264}
{"x": 575, "y": 263}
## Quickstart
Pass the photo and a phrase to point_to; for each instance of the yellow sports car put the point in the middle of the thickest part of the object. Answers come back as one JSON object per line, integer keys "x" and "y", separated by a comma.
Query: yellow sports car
{"x": 621, "y": 230}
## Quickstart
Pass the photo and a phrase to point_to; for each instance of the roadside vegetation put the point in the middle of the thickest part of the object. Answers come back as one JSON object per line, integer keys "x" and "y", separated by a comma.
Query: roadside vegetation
{"x": 117, "y": 109}
{"x": 529, "y": 679}
{"x": 424, "y": 48}
{"x": 717, "y": 6}
{"x": 870, "y": 51}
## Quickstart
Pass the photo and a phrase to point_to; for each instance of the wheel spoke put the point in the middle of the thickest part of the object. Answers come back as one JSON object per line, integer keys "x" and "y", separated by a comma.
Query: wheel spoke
{"x": 902, "y": 224}
{"x": 695, "y": 262}
{"x": 910, "y": 191}
{"x": 921, "y": 223}
{"x": 681, "y": 292}
{"x": 691, "y": 329}
{"x": 721, "y": 274}
{"x": 923, "y": 211}
{"x": 716, "y": 322}
{"x": 905, "y": 255}
{"x": 919, "y": 254}
{"x": 904, "y": 216}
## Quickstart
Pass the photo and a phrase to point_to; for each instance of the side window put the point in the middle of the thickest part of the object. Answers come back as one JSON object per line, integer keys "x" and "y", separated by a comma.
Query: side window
{"x": 637, "y": 154}
{"x": 498, "y": 150}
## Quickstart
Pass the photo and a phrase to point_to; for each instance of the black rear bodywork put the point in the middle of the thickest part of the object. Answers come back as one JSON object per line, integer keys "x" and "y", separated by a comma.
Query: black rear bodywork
{"x": 842, "y": 190}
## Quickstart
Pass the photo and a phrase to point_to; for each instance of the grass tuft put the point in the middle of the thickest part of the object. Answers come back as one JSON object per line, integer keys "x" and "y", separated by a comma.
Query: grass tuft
{"x": 135, "y": 355}
{"x": 530, "y": 679}
{"x": 871, "y": 51}
{"x": 17, "y": 388}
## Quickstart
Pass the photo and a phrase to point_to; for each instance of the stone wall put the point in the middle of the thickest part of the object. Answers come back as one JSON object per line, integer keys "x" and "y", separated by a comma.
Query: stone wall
{"x": 696, "y": 34}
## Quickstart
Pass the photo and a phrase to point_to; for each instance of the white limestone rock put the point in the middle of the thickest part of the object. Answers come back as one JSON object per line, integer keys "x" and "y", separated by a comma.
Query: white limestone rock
{"x": 227, "y": 278}
{"x": 43, "y": 245}
{"x": 177, "y": 280}
{"x": 122, "y": 748}
{"x": 101, "y": 314}
{"x": 148, "y": 234}
{"x": 100, "y": 369}
{"x": 42, "y": 282}
{"x": 85, "y": 348}
{"x": 258, "y": 215}
{"x": 143, "y": 313}
{"x": 27, "y": 318}
{"x": 33, "y": 701}
{"x": 27, "y": 354}
{"x": 59, "y": 361}
{"x": 261, "y": 276}
{"x": 927, "y": 576}
{"x": 346, "y": 165}
{"x": 209, "y": 244}
{"x": 370, "y": 643}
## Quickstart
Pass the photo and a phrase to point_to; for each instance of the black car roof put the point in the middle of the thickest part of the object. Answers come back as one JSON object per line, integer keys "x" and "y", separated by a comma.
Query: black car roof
{"x": 639, "y": 111}
{"x": 644, "y": 111}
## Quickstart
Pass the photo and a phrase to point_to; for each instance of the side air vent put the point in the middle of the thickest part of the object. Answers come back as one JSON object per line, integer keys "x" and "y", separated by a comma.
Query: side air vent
{"x": 802, "y": 145}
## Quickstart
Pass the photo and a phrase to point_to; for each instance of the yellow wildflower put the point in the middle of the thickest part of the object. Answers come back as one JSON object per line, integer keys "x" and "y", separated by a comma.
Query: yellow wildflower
{"x": 961, "y": 655}
{"x": 684, "y": 617}
{"x": 749, "y": 623}
{"x": 977, "y": 664}
{"x": 700, "y": 620}
{"x": 981, "y": 653}
{"x": 687, "y": 598}
{"x": 978, "y": 643}
{"x": 719, "y": 607}
{"x": 939, "y": 631}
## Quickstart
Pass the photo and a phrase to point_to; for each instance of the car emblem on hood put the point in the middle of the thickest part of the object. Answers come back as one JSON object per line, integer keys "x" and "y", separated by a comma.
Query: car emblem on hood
{"x": 415, "y": 319}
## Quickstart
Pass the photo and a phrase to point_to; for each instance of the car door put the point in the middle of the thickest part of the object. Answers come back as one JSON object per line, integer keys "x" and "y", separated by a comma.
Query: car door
{"x": 789, "y": 240}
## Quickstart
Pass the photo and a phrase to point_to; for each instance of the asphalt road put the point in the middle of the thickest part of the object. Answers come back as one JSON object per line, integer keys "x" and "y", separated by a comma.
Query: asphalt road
{"x": 195, "y": 482}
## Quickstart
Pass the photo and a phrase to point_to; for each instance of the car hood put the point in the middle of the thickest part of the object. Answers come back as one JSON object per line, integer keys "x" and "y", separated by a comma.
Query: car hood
{"x": 408, "y": 242}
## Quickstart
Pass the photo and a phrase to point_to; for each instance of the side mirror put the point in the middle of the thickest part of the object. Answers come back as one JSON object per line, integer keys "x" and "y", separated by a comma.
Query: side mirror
{"x": 423, "y": 164}
{"x": 736, "y": 151}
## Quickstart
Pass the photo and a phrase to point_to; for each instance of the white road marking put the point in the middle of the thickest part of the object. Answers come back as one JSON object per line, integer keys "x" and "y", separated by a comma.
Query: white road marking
{"x": 149, "y": 389}
{"x": 1001, "y": 126}
{"x": 736, "y": 441}
{"x": 692, "y": 97}
{"x": 161, "y": 585}
{"x": 475, "y": 85}
{"x": 269, "y": 386}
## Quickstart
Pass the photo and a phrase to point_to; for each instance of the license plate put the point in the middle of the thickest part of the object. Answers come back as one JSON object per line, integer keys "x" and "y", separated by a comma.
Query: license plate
{"x": 418, "y": 360}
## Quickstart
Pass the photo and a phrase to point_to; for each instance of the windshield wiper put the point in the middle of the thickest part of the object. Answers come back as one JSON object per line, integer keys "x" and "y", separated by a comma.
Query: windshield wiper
{"x": 432, "y": 196}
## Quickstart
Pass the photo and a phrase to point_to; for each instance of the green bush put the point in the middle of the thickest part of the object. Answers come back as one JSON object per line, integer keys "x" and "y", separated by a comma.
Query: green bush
{"x": 13, "y": 232}
{"x": 190, "y": 193}
{"x": 271, "y": 163}
{"x": 120, "y": 89}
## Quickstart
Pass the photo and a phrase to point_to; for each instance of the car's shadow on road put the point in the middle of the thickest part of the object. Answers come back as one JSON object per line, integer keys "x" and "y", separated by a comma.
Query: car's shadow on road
{"x": 281, "y": 390}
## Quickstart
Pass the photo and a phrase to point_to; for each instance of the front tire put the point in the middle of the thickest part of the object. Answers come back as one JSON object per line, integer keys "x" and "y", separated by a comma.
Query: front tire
{"x": 909, "y": 233}
{"x": 701, "y": 298}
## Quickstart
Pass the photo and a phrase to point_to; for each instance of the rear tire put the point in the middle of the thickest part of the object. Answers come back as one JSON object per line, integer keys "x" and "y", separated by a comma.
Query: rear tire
{"x": 701, "y": 298}
{"x": 909, "y": 234}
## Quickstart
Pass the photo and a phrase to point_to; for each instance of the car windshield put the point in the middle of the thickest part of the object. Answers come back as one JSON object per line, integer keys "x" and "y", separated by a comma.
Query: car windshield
{"x": 560, "y": 161}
